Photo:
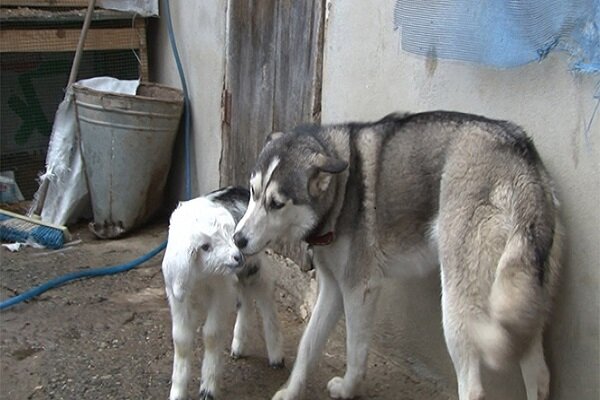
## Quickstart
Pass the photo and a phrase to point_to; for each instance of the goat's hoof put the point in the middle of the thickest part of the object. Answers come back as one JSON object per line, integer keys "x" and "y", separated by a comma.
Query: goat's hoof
{"x": 238, "y": 356}
{"x": 206, "y": 395}
{"x": 277, "y": 364}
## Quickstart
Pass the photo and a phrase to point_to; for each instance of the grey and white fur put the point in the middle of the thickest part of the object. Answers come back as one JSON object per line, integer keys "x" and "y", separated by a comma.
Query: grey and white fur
{"x": 204, "y": 271}
{"x": 402, "y": 195}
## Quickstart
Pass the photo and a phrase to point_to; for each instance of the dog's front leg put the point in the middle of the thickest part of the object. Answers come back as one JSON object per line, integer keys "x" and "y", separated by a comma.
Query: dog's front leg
{"x": 360, "y": 302}
{"x": 214, "y": 334}
{"x": 240, "y": 331}
{"x": 185, "y": 322}
{"x": 325, "y": 315}
{"x": 265, "y": 299}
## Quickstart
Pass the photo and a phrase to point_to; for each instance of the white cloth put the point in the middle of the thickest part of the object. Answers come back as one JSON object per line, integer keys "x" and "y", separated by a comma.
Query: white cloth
{"x": 145, "y": 8}
{"x": 67, "y": 196}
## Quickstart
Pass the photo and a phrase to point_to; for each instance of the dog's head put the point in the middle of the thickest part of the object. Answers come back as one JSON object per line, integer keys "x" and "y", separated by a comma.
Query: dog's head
{"x": 290, "y": 189}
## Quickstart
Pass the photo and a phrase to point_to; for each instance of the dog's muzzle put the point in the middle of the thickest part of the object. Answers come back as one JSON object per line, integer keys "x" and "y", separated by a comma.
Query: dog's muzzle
{"x": 240, "y": 240}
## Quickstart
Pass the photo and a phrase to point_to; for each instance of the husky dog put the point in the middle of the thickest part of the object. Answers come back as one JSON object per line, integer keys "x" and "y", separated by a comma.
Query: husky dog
{"x": 379, "y": 199}
{"x": 203, "y": 269}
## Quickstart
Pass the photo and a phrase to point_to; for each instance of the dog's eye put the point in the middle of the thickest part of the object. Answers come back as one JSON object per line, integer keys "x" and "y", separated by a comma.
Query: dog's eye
{"x": 205, "y": 247}
{"x": 276, "y": 205}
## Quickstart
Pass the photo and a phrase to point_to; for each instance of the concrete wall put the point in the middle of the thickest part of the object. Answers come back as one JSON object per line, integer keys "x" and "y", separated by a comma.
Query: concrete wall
{"x": 366, "y": 75}
{"x": 200, "y": 34}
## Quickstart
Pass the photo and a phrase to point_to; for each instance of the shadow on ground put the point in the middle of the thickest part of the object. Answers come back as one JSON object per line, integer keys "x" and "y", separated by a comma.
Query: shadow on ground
{"x": 109, "y": 337}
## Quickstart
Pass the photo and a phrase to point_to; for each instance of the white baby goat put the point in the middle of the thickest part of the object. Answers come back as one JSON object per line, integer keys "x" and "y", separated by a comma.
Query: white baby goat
{"x": 204, "y": 270}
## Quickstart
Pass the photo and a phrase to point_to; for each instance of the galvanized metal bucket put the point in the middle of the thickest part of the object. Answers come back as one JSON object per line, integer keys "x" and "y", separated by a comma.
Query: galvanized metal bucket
{"x": 126, "y": 143}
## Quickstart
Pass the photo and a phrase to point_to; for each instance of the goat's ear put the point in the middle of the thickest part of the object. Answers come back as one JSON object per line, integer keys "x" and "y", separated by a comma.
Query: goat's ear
{"x": 177, "y": 270}
{"x": 273, "y": 136}
{"x": 330, "y": 165}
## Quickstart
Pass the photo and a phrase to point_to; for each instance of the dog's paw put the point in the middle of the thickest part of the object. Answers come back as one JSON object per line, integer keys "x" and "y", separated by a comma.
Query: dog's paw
{"x": 206, "y": 394}
{"x": 282, "y": 394}
{"x": 338, "y": 389}
{"x": 177, "y": 394}
{"x": 237, "y": 349}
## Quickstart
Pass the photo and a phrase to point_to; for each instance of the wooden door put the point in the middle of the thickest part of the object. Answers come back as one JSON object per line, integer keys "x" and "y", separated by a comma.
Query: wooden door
{"x": 272, "y": 79}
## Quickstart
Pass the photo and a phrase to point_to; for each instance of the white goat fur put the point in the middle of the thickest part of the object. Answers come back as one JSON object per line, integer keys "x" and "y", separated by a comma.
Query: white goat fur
{"x": 203, "y": 274}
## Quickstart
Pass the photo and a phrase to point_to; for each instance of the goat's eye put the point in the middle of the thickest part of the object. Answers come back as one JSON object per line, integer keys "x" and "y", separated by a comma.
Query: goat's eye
{"x": 205, "y": 247}
{"x": 276, "y": 205}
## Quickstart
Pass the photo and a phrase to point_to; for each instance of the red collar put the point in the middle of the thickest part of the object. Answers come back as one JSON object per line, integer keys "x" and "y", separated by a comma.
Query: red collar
{"x": 321, "y": 240}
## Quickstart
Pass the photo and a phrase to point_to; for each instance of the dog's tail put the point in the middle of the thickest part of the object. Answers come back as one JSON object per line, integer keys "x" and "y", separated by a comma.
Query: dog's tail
{"x": 525, "y": 275}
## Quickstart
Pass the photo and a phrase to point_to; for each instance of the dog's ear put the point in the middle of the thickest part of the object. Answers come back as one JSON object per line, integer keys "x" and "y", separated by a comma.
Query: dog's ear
{"x": 325, "y": 167}
{"x": 273, "y": 136}
{"x": 319, "y": 183}
{"x": 331, "y": 165}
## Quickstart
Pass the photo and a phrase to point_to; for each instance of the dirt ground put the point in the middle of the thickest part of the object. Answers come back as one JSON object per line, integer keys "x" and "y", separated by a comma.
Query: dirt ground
{"x": 109, "y": 337}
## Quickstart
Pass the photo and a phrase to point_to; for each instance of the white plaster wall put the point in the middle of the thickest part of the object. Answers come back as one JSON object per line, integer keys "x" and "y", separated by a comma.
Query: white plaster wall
{"x": 200, "y": 33}
{"x": 366, "y": 75}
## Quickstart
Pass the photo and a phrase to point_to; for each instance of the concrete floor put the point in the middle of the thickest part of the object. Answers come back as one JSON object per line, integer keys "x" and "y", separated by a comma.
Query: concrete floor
{"x": 109, "y": 337}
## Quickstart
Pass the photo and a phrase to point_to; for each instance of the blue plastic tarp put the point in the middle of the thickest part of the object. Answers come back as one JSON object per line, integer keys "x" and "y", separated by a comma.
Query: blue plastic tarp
{"x": 501, "y": 33}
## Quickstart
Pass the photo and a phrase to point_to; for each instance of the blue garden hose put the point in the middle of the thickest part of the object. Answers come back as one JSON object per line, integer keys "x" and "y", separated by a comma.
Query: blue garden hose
{"x": 86, "y": 273}
{"x": 89, "y": 273}
{"x": 186, "y": 99}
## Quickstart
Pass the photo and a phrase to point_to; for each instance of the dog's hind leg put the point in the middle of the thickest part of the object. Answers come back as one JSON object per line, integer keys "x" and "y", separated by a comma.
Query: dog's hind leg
{"x": 464, "y": 354}
{"x": 360, "y": 304}
{"x": 214, "y": 334}
{"x": 467, "y": 365}
{"x": 535, "y": 371}
{"x": 184, "y": 322}
{"x": 326, "y": 313}
{"x": 468, "y": 370}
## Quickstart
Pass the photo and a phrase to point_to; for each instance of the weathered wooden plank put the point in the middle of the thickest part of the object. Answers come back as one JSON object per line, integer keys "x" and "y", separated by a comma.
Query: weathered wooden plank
{"x": 272, "y": 80}
{"x": 45, "y": 3}
{"x": 140, "y": 28}
{"x": 298, "y": 72}
{"x": 249, "y": 86}
{"x": 297, "y": 77}
{"x": 40, "y": 40}
{"x": 22, "y": 15}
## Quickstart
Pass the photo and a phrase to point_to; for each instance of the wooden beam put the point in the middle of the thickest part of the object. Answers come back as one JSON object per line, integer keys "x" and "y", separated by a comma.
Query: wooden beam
{"x": 51, "y": 40}
{"x": 140, "y": 28}
{"x": 45, "y": 3}
{"x": 22, "y": 15}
